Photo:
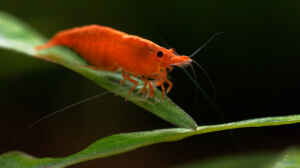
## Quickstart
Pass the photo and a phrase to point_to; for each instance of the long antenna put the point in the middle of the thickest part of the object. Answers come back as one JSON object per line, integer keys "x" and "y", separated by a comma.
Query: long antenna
{"x": 205, "y": 44}
{"x": 205, "y": 95}
{"x": 207, "y": 76}
{"x": 67, "y": 107}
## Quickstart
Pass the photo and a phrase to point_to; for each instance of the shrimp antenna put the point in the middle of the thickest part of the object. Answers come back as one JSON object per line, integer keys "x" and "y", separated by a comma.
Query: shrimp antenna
{"x": 67, "y": 107}
{"x": 205, "y": 44}
{"x": 205, "y": 95}
{"x": 207, "y": 76}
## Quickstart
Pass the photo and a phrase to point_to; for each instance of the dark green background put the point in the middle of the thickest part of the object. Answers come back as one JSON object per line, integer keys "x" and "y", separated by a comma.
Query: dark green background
{"x": 254, "y": 65}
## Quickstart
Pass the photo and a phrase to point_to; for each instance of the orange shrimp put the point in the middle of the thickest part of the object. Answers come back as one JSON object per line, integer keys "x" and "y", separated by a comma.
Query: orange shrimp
{"x": 109, "y": 49}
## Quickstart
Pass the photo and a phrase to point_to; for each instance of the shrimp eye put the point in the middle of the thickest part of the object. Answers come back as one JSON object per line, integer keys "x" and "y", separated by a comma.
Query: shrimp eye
{"x": 160, "y": 54}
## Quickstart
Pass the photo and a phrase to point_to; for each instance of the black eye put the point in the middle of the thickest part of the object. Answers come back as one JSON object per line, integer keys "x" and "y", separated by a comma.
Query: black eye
{"x": 160, "y": 54}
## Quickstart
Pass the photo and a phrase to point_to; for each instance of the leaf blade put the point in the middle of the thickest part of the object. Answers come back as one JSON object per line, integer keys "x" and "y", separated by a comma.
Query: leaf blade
{"x": 290, "y": 158}
{"x": 120, "y": 143}
{"x": 17, "y": 36}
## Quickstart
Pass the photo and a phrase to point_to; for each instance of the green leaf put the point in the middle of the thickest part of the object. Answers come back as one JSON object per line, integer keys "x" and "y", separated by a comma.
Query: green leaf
{"x": 287, "y": 159}
{"x": 253, "y": 160}
{"x": 17, "y": 36}
{"x": 125, "y": 142}
{"x": 17, "y": 159}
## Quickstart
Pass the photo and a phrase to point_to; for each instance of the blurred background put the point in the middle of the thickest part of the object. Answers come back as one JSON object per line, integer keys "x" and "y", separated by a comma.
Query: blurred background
{"x": 254, "y": 65}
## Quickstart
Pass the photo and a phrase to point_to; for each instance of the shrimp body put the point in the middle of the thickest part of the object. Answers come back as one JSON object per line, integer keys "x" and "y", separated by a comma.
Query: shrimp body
{"x": 109, "y": 49}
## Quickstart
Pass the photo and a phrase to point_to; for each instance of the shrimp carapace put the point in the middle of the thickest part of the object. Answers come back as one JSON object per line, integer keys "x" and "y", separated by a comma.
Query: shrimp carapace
{"x": 109, "y": 49}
